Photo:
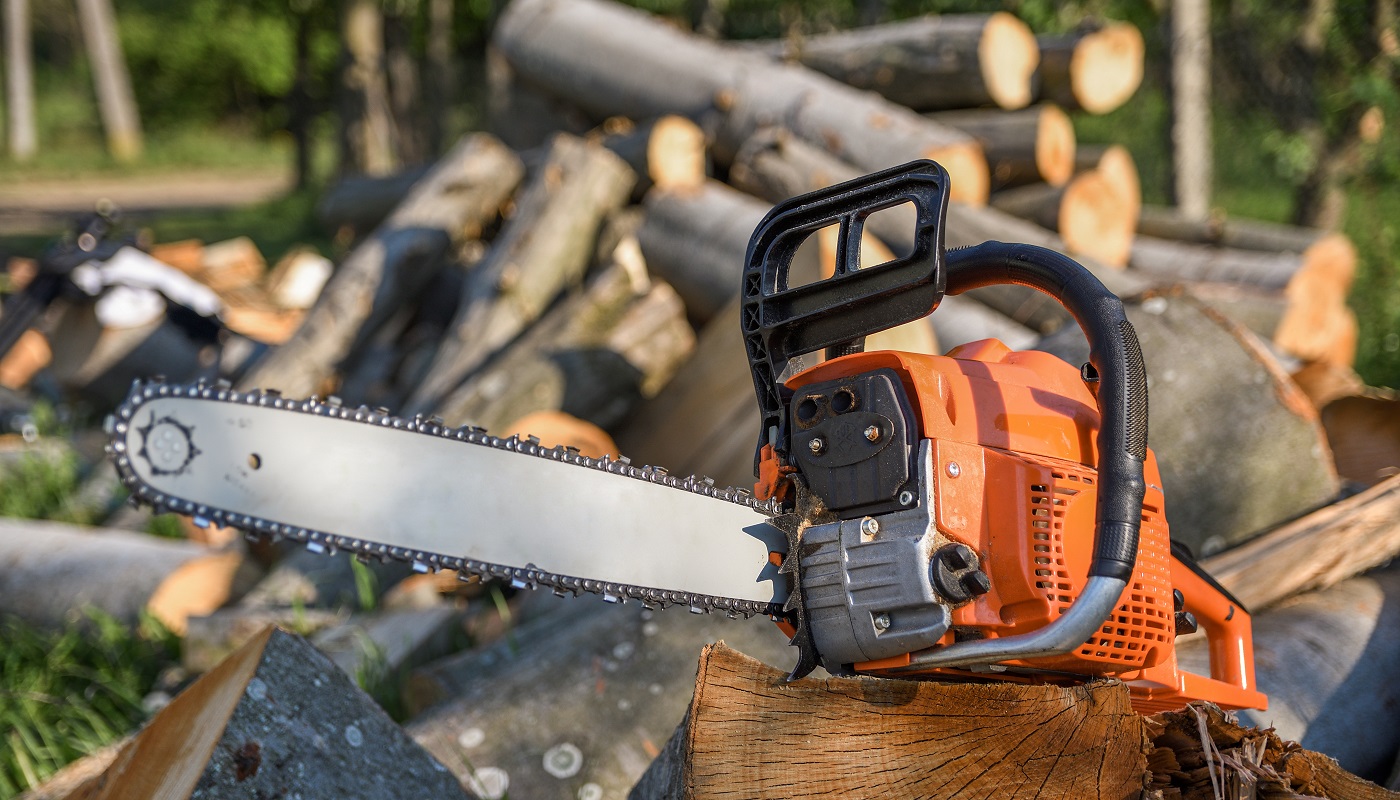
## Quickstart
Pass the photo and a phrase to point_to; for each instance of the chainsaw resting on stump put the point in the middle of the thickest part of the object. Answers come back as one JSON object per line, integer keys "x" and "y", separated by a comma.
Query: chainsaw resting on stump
{"x": 984, "y": 514}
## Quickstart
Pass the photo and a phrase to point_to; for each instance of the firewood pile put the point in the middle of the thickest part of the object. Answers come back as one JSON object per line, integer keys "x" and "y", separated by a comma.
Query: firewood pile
{"x": 572, "y": 275}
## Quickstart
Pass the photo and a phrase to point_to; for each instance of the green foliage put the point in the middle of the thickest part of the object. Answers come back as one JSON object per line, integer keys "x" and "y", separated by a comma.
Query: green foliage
{"x": 366, "y": 585}
{"x": 166, "y": 526}
{"x": 382, "y": 684}
{"x": 66, "y": 693}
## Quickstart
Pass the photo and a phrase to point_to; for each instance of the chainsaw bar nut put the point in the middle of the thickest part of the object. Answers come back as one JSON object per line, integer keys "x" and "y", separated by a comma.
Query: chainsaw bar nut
{"x": 956, "y": 575}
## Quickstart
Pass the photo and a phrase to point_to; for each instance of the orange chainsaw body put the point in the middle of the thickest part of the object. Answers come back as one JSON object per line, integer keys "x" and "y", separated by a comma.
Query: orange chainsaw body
{"x": 1014, "y": 460}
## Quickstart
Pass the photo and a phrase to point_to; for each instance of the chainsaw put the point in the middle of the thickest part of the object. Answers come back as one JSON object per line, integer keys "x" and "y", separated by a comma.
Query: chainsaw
{"x": 982, "y": 515}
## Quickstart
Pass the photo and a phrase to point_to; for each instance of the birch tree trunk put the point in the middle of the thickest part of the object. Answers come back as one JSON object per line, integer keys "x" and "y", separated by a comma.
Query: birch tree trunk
{"x": 19, "y": 80}
{"x": 110, "y": 79}
{"x": 1191, "y": 155}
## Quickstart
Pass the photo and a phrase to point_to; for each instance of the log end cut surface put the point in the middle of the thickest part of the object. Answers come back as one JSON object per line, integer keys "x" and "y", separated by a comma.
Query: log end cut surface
{"x": 1054, "y": 145}
{"x": 1107, "y": 67}
{"x": 752, "y": 735}
{"x": 1094, "y": 219}
{"x": 1008, "y": 56}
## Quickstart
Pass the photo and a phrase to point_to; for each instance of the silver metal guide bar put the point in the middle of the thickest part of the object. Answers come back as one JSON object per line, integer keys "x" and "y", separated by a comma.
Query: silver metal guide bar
{"x": 186, "y": 456}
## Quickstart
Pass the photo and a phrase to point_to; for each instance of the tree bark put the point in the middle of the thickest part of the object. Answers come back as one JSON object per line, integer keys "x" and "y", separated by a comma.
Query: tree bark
{"x": 576, "y": 358}
{"x": 405, "y": 88}
{"x": 110, "y": 78}
{"x": 53, "y": 570}
{"x": 1314, "y": 326}
{"x": 461, "y": 195}
{"x": 1165, "y": 222}
{"x": 667, "y": 153}
{"x": 1270, "y": 270}
{"x": 1239, "y": 447}
{"x": 1192, "y": 172}
{"x": 1029, "y": 741}
{"x": 1094, "y": 71}
{"x": 362, "y": 202}
{"x": 242, "y": 731}
{"x": 524, "y": 116}
{"x": 541, "y": 251}
{"x": 1089, "y": 213}
{"x": 441, "y": 85}
{"x": 1032, "y": 145}
{"x": 19, "y": 81}
{"x": 612, "y": 61}
{"x": 933, "y": 62}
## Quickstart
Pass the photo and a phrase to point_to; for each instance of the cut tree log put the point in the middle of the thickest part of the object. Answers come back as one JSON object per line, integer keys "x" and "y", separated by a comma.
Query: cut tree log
{"x": 696, "y": 240}
{"x": 361, "y": 202}
{"x": 1364, "y": 432}
{"x": 211, "y": 638}
{"x": 667, "y": 152}
{"x": 1096, "y": 71}
{"x": 1032, "y": 145}
{"x": 1315, "y": 551}
{"x": 541, "y": 251}
{"x": 1116, "y": 165}
{"x": 1239, "y": 446}
{"x": 1165, "y": 222}
{"x": 390, "y": 642}
{"x": 274, "y": 719}
{"x": 455, "y": 201}
{"x": 555, "y": 429}
{"x": 777, "y": 166}
{"x": 929, "y": 63}
{"x": 573, "y": 360}
{"x": 99, "y": 363}
{"x": 1327, "y": 660}
{"x": 1312, "y": 326}
{"x": 794, "y": 740}
{"x": 51, "y": 571}
{"x": 585, "y": 694}
{"x": 1089, "y": 213}
{"x": 614, "y": 61}
{"x": 305, "y": 579}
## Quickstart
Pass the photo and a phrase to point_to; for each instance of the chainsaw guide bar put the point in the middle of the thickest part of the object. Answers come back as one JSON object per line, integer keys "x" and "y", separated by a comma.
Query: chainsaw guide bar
{"x": 686, "y": 530}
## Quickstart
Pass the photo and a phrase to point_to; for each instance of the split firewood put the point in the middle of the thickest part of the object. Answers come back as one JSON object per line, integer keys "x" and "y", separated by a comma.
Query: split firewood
{"x": 231, "y": 264}
{"x": 586, "y": 694}
{"x": 242, "y": 731}
{"x": 541, "y": 251}
{"x": 1327, "y": 660}
{"x": 1096, "y": 70}
{"x": 250, "y": 312}
{"x": 1323, "y": 382}
{"x": 695, "y": 240}
{"x": 1239, "y": 446}
{"x": 933, "y": 62}
{"x": 1089, "y": 213}
{"x": 574, "y": 360}
{"x": 667, "y": 152}
{"x": 1033, "y": 145}
{"x": 361, "y": 202}
{"x": 747, "y": 731}
{"x": 298, "y": 278}
{"x": 776, "y": 166}
{"x": 1203, "y": 752}
{"x": 455, "y": 201}
{"x": 29, "y": 355}
{"x": 211, "y": 638}
{"x": 186, "y": 255}
{"x": 54, "y": 570}
{"x": 614, "y": 61}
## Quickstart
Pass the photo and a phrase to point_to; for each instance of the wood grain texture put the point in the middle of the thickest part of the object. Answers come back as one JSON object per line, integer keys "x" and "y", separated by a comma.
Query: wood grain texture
{"x": 751, "y": 735}
{"x": 1315, "y": 551}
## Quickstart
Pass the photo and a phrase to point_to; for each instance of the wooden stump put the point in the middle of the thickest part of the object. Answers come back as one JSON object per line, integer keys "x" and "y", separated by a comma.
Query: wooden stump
{"x": 1029, "y": 146}
{"x": 274, "y": 719}
{"x": 749, "y": 734}
{"x": 933, "y": 62}
{"x": 1096, "y": 71}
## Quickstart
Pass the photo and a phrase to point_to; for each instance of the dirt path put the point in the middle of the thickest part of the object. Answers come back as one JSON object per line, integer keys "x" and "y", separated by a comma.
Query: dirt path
{"x": 40, "y": 207}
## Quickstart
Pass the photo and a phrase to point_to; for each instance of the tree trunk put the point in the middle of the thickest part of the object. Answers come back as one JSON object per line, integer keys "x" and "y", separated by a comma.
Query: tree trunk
{"x": 299, "y": 108}
{"x": 110, "y": 78}
{"x": 696, "y": 241}
{"x": 242, "y": 731}
{"x": 19, "y": 81}
{"x": 462, "y": 195}
{"x": 746, "y": 728}
{"x": 1033, "y": 145}
{"x": 1089, "y": 213}
{"x": 1192, "y": 171}
{"x": 1239, "y": 446}
{"x": 441, "y": 85}
{"x": 367, "y": 134}
{"x": 933, "y": 62}
{"x": 667, "y": 153}
{"x": 1096, "y": 71}
{"x": 405, "y": 88}
{"x": 575, "y": 359}
{"x": 542, "y": 250}
{"x": 613, "y": 61}
{"x": 53, "y": 570}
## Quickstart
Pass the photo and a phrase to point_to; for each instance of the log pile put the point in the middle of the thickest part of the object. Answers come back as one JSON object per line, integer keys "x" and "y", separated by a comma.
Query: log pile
{"x": 576, "y": 278}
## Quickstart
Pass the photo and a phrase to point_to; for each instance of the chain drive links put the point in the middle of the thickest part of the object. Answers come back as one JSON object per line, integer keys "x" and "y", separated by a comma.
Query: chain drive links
{"x": 467, "y": 569}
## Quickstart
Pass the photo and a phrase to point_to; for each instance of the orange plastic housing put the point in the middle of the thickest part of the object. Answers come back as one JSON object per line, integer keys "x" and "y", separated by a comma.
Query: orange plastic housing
{"x": 1013, "y": 436}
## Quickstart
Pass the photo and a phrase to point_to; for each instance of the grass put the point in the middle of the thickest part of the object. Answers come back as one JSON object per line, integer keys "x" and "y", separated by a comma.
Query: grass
{"x": 67, "y": 693}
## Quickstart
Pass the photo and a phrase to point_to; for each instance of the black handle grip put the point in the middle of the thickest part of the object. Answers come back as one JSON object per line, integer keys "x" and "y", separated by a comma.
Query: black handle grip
{"x": 781, "y": 322}
{"x": 1114, "y": 354}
